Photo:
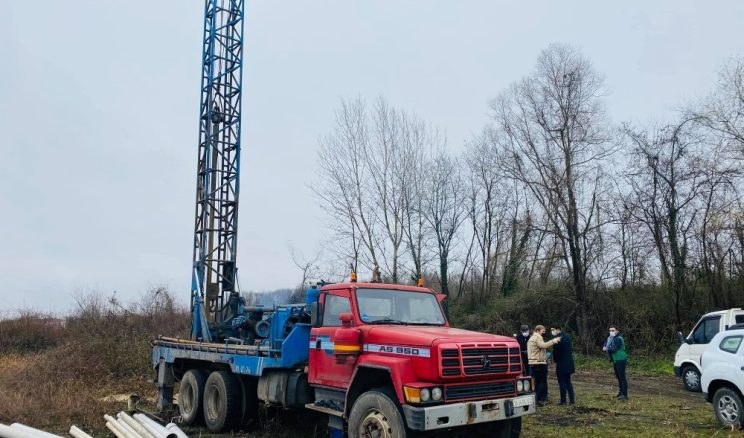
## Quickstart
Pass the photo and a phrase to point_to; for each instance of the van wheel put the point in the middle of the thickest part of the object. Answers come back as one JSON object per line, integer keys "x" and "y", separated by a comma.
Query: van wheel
{"x": 222, "y": 402}
{"x": 375, "y": 414}
{"x": 191, "y": 396}
{"x": 691, "y": 378}
{"x": 728, "y": 408}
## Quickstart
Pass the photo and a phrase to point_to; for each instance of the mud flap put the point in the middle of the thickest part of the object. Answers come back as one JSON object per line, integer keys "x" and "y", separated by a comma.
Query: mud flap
{"x": 165, "y": 384}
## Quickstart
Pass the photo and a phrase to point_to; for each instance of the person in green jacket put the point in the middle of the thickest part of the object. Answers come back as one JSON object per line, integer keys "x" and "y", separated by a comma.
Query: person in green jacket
{"x": 615, "y": 348}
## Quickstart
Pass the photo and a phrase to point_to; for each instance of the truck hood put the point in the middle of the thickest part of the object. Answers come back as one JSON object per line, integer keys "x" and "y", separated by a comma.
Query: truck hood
{"x": 425, "y": 335}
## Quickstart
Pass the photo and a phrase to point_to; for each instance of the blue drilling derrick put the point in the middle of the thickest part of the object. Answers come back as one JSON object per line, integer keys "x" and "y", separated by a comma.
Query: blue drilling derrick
{"x": 215, "y": 299}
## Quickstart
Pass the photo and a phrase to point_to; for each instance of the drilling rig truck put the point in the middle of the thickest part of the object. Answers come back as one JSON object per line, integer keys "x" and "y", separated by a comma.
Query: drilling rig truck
{"x": 377, "y": 360}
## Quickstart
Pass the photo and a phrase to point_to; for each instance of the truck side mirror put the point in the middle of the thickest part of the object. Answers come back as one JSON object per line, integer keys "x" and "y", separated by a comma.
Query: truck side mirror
{"x": 680, "y": 338}
{"x": 347, "y": 341}
{"x": 444, "y": 302}
{"x": 347, "y": 319}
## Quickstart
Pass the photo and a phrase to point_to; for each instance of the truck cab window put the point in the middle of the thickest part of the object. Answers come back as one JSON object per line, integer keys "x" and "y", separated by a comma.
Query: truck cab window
{"x": 334, "y": 306}
{"x": 705, "y": 331}
{"x": 739, "y": 319}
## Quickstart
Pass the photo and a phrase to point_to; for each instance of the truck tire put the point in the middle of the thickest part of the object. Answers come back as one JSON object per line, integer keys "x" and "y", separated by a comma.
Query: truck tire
{"x": 376, "y": 414}
{"x": 499, "y": 429}
{"x": 249, "y": 396}
{"x": 191, "y": 396}
{"x": 728, "y": 408}
{"x": 691, "y": 378}
{"x": 222, "y": 400}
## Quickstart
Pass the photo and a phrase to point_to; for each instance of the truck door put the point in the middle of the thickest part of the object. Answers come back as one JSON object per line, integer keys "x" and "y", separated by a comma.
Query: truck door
{"x": 702, "y": 334}
{"x": 325, "y": 367}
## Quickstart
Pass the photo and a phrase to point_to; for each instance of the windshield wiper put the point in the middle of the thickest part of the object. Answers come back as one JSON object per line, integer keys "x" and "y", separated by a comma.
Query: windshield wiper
{"x": 387, "y": 320}
{"x": 438, "y": 324}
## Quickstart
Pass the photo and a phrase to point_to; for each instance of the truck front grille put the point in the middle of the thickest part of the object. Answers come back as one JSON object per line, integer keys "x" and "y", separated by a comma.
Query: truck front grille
{"x": 480, "y": 391}
{"x": 478, "y": 359}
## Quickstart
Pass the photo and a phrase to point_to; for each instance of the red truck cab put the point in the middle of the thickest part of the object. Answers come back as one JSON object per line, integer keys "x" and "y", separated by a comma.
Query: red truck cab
{"x": 384, "y": 359}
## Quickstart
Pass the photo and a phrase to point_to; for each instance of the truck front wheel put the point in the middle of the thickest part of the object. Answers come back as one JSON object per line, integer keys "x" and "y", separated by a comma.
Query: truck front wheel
{"x": 375, "y": 414}
{"x": 222, "y": 402}
{"x": 191, "y": 396}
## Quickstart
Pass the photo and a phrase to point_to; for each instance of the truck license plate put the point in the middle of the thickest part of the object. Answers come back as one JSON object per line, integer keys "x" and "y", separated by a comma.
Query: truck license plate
{"x": 522, "y": 401}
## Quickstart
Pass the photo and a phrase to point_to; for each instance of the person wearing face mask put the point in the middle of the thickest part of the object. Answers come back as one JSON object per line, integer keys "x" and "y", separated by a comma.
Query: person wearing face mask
{"x": 564, "y": 364}
{"x": 536, "y": 350}
{"x": 615, "y": 348}
{"x": 522, "y": 337}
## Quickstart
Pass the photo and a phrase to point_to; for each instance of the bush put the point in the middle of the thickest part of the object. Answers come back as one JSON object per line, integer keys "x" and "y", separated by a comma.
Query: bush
{"x": 102, "y": 349}
{"x": 644, "y": 314}
{"x": 30, "y": 332}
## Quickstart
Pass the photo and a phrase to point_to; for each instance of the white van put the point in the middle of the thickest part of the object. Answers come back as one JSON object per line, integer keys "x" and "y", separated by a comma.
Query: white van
{"x": 687, "y": 359}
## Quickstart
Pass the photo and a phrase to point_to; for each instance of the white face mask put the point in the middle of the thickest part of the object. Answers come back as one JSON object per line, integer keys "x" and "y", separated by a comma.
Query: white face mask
{"x": 553, "y": 332}
{"x": 525, "y": 334}
{"x": 613, "y": 333}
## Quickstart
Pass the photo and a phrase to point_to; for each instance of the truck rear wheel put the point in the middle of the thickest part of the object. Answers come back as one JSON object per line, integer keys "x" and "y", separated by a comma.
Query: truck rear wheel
{"x": 375, "y": 414}
{"x": 222, "y": 402}
{"x": 191, "y": 396}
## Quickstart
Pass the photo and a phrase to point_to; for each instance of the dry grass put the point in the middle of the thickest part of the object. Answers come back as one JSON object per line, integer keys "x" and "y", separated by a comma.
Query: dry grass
{"x": 58, "y": 374}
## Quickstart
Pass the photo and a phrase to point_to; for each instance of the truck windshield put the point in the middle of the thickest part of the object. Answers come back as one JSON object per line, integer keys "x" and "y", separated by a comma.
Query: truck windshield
{"x": 389, "y": 306}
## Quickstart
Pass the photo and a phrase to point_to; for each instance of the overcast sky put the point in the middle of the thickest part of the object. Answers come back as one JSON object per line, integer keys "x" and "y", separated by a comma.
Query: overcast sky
{"x": 99, "y": 107}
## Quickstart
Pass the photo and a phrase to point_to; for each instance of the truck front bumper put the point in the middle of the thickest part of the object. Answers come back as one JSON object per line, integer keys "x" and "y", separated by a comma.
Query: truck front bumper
{"x": 678, "y": 371}
{"x": 466, "y": 413}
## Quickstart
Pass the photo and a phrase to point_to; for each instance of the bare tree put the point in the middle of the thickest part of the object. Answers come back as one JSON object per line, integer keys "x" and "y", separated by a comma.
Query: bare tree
{"x": 667, "y": 180}
{"x": 723, "y": 111}
{"x": 387, "y": 126}
{"x": 553, "y": 128}
{"x": 444, "y": 208}
{"x": 487, "y": 203}
{"x": 411, "y": 169}
{"x": 344, "y": 182}
{"x": 520, "y": 234}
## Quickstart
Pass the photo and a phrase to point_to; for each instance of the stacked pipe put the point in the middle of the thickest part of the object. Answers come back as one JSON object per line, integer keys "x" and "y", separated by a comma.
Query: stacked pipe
{"x": 123, "y": 426}
{"x": 140, "y": 426}
{"x": 18, "y": 430}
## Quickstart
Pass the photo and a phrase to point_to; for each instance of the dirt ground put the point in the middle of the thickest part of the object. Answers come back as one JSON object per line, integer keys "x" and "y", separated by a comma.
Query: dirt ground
{"x": 658, "y": 406}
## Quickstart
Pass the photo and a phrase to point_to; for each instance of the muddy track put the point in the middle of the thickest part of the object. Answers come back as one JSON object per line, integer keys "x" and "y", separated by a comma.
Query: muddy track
{"x": 667, "y": 386}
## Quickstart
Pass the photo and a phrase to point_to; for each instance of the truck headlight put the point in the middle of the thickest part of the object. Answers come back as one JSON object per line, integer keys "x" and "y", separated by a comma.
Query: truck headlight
{"x": 436, "y": 394}
{"x": 524, "y": 385}
{"x": 425, "y": 395}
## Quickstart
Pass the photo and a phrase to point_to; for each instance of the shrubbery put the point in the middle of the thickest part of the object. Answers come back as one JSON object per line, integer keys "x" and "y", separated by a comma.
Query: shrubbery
{"x": 56, "y": 373}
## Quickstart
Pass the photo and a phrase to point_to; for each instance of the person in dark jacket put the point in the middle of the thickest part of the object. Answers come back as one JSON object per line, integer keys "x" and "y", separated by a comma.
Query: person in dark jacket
{"x": 615, "y": 348}
{"x": 522, "y": 337}
{"x": 564, "y": 364}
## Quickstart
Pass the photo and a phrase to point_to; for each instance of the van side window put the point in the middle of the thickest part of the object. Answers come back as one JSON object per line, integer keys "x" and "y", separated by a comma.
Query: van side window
{"x": 740, "y": 319}
{"x": 730, "y": 344}
{"x": 334, "y": 306}
{"x": 705, "y": 331}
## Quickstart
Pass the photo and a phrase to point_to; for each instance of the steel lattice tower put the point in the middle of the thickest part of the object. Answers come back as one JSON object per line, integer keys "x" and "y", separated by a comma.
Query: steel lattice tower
{"x": 217, "y": 184}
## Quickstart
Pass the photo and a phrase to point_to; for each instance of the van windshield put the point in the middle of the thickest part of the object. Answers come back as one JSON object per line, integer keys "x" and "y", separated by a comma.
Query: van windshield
{"x": 390, "y": 306}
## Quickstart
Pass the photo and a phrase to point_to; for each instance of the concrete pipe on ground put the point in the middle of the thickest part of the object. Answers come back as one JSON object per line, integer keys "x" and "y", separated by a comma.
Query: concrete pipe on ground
{"x": 76, "y": 432}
